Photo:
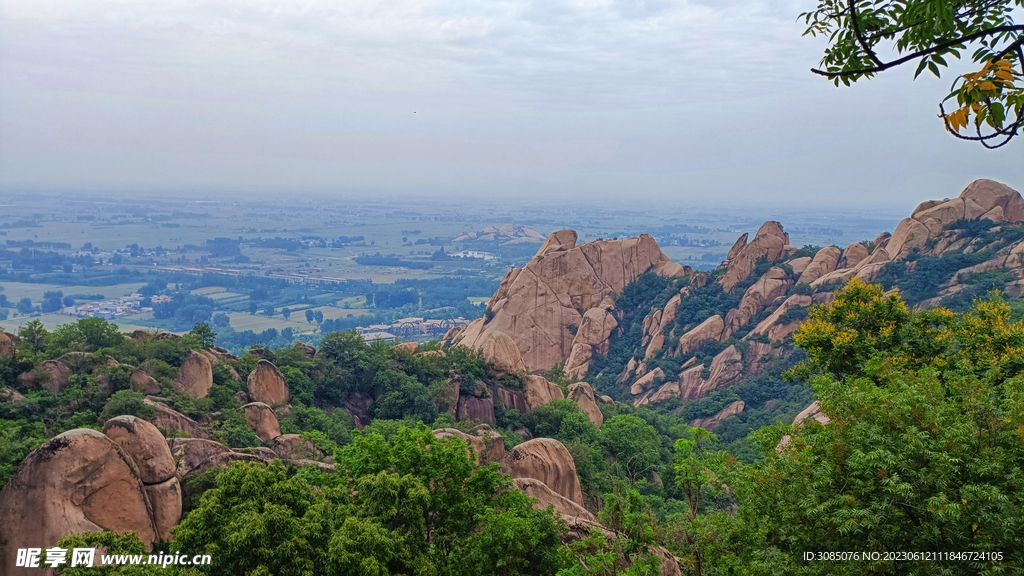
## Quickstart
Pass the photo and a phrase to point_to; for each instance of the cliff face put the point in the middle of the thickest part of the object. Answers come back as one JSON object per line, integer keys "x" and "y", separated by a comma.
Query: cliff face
{"x": 561, "y": 307}
{"x": 543, "y": 306}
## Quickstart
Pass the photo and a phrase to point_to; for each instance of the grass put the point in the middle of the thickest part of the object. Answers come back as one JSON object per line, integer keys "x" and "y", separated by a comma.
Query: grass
{"x": 17, "y": 290}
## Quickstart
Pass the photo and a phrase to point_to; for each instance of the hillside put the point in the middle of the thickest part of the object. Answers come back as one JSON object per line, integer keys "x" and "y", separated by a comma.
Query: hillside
{"x": 567, "y": 427}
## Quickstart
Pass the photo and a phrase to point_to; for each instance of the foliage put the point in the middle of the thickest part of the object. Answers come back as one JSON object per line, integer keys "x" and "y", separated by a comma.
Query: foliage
{"x": 417, "y": 506}
{"x": 127, "y": 402}
{"x": 990, "y": 98}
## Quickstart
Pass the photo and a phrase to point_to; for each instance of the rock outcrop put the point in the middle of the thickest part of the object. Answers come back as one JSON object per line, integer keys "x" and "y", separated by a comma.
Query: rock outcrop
{"x": 539, "y": 306}
{"x": 472, "y": 407}
{"x": 6, "y": 345}
{"x": 78, "y": 481}
{"x": 262, "y": 420}
{"x": 584, "y": 396}
{"x": 539, "y": 391}
{"x": 148, "y": 449}
{"x": 195, "y": 377}
{"x": 712, "y": 422}
{"x": 502, "y": 353}
{"x": 773, "y": 284}
{"x": 167, "y": 419}
{"x": 591, "y": 338}
{"x": 707, "y": 331}
{"x": 487, "y": 448}
{"x": 410, "y": 347}
{"x": 546, "y": 460}
{"x": 769, "y": 242}
{"x": 293, "y": 447}
{"x": 266, "y": 384}
{"x": 825, "y": 261}
{"x": 142, "y": 382}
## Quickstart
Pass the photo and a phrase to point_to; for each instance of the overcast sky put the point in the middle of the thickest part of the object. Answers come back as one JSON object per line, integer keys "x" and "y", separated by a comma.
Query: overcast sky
{"x": 685, "y": 100}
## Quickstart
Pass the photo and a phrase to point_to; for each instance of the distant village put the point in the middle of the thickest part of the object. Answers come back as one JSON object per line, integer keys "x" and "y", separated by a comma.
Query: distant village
{"x": 407, "y": 328}
{"x": 111, "y": 309}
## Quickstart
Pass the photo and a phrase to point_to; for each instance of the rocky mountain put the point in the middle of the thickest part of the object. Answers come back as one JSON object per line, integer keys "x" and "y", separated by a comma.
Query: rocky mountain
{"x": 504, "y": 234}
{"x": 621, "y": 316}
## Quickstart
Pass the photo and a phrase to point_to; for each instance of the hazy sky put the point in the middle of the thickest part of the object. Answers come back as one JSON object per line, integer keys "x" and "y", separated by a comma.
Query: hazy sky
{"x": 691, "y": 100}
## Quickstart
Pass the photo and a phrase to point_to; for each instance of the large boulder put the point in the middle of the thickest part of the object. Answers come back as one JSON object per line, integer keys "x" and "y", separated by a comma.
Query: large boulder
{"x": 145, "y": 445}
{"x": 584, "y": 396}
{"x": 547, "y": 497}
{"x": 191, "y": 455}
{"x": 262, "y": 420}
{"x": 708, "y": 330}
{"x": 78, "y": 481}
{"x": 266, "y": 384}
{"x": 770, "y": 243}
{"x": 195, "y": 377}
{"x": 512, "y": 399}
{"x": 488, "y": 447}
{"x": 773, "y": 284}
{"x": 166, "y": 418}
{"x": 647, "y": 381}
{"x": 825, "y": 261}
{"x": 307, "y": 350}
{"x": 501, "y": 352}
{"x": 539, "y": 391}
{"x": 547, "y": 460}
{"x": 411, "y": 347}
{"x": 6, "y": 345}
{"x": 726, "y": 368}
{"x": 712, "y": 422}
{"x": 541, "y": 306}
{"x": 142, "y": 382}
{"x": 853, "y": 255}
{"x": 294, "y": 447}
{"x": 774, "y": 327}
{"x": 166, "y": 501}
{"x": 51, "y": 375}
{"x": 591, "y": 338}
{"x": 473, "y": 407}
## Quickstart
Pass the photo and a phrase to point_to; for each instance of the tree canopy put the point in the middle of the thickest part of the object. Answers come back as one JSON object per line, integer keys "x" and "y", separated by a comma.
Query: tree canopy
{"x": 985, "y": 106}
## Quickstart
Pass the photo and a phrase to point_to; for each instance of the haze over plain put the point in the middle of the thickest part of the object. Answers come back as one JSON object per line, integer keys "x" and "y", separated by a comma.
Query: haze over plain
{"x": 681, "y": 101}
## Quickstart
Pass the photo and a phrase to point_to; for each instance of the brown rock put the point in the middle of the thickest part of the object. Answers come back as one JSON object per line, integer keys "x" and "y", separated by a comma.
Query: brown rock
{"x": 547, "y": 497}
{"x": 605, "y": 399}
{"x": 768, "y": 243}
{"x": 6, "y": 345}
{"x": 853, "y": 255}
{"x": 800, "y": 264}
{"x": 54, "y": 376}
{"x": 144, "y": 444}
{"x": 547, "y": 460}
{"x": 474, "y": 408}
{"x": 812, "y": 412}
{"x": 78, "y": 481}
{"x": 410, "y": 347}
{"x": 294, "y": 446}
{"x": 192, "y": 453}
{"x": 909, "y": 234}
{"x": 167, "y": 419}
{"x": 165, "y": 498}
{"x": 512, "y": 399}
{"x": 502, "y": 353}
{"x": 142, "y": 336}
{"x": 647, "y": 381}
{"x": 706, "y": 331}
{"x": 740, "y": 243}
{"x": 726, "y": 369}
{"x": 487, "y": 448}
{"x": 825, "y": 261}
{"x": 540, "y": 305}
{"x": 195, "y": 377}
{"x": 583, "y": 395}
{"x": 773, "y": 284}
{"x": 591, "y": 337}
{"x": 712, "y": 422}
{"x": 771, "y": 325}
{"x": 307, "y": 350}
{"x": 539, "y": 391}
{"x": 262, "y": 420}
{"x": 266, "y": 384}
{"x": 11, "y": 395}
{"x": 142, "y": 382}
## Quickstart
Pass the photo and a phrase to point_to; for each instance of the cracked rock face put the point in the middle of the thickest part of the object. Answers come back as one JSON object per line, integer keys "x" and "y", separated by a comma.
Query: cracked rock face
{"x": 542, "y": 305}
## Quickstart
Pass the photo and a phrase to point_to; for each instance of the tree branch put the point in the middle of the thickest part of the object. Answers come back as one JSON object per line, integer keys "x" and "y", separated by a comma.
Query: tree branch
{"x": 860, "y": 37}
{"x": 920, "y": 53}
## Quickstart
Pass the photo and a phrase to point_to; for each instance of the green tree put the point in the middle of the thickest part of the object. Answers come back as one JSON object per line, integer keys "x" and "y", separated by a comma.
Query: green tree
{"x": 988, "y": 102}
{"x": 126, "y": 402}
{"x": 635, "y": 444}
{"x": 923, "y": 451}
{"x": 309, "y": 316}
{"x": 419, "y": 506}
{"x": 694, "y": 467}
{"x": 203, "y": 336}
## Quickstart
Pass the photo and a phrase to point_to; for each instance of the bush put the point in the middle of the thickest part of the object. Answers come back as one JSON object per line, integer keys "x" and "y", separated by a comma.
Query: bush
{"x": 127, "y": 402}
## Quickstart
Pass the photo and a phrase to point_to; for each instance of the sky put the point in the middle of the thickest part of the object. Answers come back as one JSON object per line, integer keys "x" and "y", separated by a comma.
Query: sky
{"x": 704, "y": 101}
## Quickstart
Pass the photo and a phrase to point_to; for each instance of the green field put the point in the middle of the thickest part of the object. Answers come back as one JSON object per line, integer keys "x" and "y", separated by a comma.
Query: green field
{"x": 17, "y": 290}
{"x": 51, "y": 321}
